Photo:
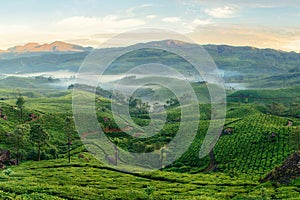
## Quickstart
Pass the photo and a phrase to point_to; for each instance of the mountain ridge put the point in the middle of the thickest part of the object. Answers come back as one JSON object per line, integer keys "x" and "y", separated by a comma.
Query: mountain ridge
{"x": 248, "y": 65}
{"x": 60, "y": 46}
{"x": 56, "y": 46}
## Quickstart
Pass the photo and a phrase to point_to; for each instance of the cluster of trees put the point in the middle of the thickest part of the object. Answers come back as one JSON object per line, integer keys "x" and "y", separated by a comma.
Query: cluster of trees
{"x": 30, "y": 137}
{"x": 276, "y": 108}
{"x": 137, "y": 106}
{"x": 279, "y": 109}
{"x": 24, "y": 136}
{"x": 172, "y": 102}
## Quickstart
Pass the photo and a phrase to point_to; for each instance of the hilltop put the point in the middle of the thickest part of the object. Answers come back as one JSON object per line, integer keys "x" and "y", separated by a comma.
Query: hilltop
{"x": 56, "y": 46}
{"x": 252, "y": 67}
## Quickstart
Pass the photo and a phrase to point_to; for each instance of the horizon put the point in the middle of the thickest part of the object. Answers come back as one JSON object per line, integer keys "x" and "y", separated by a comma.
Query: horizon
{"x": 89, "y": 46}
{"x": 273, "y": 25}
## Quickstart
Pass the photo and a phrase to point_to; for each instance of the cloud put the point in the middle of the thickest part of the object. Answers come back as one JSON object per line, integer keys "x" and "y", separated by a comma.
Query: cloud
{"x": 201, "y": 22}
{"x": 191, "y": 26}
{"x": 151, "y": 16}
{"x": 243, "y": 3}
{"x": 293, "y": 45}
{"x": 109, "y": 23}
{"x": 75, "y": 28}
{"x": 131, "y": 10}
{"x": 239, "y": 35}
{"x": 221, "y": 12}
{"x": 171, "y": 19}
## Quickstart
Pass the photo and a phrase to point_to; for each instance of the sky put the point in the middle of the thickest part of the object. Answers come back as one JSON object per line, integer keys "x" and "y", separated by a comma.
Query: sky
{"x": 263, "y": 24}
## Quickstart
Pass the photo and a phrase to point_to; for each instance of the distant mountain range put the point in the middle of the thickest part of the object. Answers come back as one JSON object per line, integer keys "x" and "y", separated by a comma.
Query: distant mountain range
{"x": 56, "y": 46}
{"x": 258, "y": 67}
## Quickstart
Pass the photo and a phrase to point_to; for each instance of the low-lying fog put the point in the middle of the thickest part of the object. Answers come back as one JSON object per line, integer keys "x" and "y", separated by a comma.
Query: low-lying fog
{"x": 68, "y": 77}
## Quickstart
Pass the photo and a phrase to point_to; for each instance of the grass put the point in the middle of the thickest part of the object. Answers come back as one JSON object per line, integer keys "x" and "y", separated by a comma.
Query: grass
{"x": 242, "y": 158}
{"x": 86, "y": 178}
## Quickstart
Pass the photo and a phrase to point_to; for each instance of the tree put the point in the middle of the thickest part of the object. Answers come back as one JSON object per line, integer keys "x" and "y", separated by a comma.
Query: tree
{"x": 39, "y": 137}
{"x": 116, "y": 142}
{"x": 172, "y": 102}
{"x": 69, "y": 129}
{"x": 20, "y": 104}
{"x": 19, "y": 139}
{"x": 294, "y": 110}
{"x": 137, "y": 106}
{"x": 276, "y": 108}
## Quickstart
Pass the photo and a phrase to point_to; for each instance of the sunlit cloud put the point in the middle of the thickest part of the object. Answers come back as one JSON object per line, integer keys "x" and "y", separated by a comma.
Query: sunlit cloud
{"x": 221, "y": 12}
{"x": 293, "y": 45}
{"x": 76, "y": 29}
{"x": 131, "y": 11}
{"x": 206, "y": 21}
{"x": 110, "y": 23}
{"x": 151, "y": 16}
{"x": 239, "y": 35}
{"x": 201, "y": 22}
{"x": 190, "y": 26}
{"x": 243, "y": 3}
{"x": 171, "y": 19}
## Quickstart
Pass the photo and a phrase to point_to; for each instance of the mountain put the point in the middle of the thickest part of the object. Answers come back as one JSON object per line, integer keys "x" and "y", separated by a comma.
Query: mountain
{"x": 46, "y": 62}
{"x": 56, "y": 46}
{"x": 248, "y": 65}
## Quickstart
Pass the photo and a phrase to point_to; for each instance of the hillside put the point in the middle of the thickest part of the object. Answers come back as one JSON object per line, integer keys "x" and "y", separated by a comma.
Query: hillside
{"x": 85, "y": 178}
{"x": 56, "y": 46}
{"x": 42, "y": 63}
{"x": 256, "y": 68}
{"x": 288, "y": 170}
{"x": 259, "y": 135}
{"x": 256, "y": 144}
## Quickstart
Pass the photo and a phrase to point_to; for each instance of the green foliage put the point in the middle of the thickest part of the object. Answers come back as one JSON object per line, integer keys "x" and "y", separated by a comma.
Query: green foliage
{"x": 276, "y": 108}
{"x": 172, "y": 102}
{"x": 39, "y": 137}
{"x": 295, "y": 139}
{"x": 257, "y": 144}
{"x": 20, "y": 103}
{"x": 69, "y": 129}
{"x": 7, "y": 172}
{"x": 57, "y": 179}
{"x": 139, "y": 111}
{"x": 19, "y": 139}
{"x": 286, "y": 96}
{"x": 242, "y": 157}
{"x": 150, "y": 189}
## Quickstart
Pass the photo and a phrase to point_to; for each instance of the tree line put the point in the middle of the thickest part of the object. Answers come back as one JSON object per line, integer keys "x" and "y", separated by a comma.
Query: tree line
{"x": 26, "y": 137}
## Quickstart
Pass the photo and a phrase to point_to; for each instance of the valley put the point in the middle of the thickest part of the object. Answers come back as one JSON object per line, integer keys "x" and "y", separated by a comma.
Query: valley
{"x": 260, "y": 133}
{"x": 254, "y": 143}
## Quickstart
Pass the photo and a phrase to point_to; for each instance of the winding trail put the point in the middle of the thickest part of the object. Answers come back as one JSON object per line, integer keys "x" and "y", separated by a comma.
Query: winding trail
{"x": 213, "y": 163}
{"x": 84, "y": 135}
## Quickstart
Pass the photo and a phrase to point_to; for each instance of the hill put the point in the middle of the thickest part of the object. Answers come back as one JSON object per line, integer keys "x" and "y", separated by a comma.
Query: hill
{"x": 56, "y": 46}
{"x": 251, "y": 66}
{"x": 259, "y": 135}
{"x": 45, "y": 62}
{"x": 256, "y": 143}
{"x": 86, "y": 178}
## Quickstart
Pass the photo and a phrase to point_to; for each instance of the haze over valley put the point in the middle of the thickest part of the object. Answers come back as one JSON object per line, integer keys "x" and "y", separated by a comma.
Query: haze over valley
{"x": 140, "y": 100}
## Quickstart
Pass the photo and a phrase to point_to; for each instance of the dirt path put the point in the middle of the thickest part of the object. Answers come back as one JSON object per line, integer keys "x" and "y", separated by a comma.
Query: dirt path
{"x": 84, "y": 135}
{"x": 212, "y": 164}
{"x": 290, "y": 123}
